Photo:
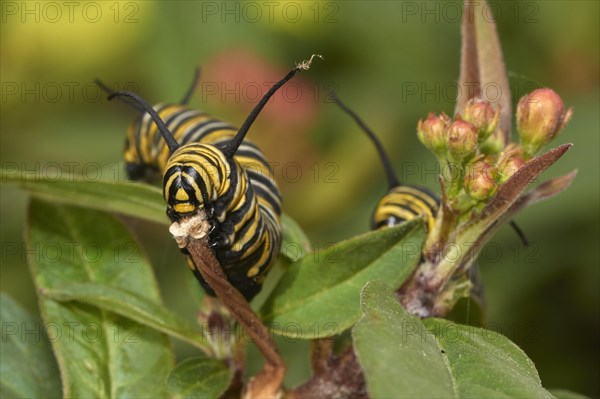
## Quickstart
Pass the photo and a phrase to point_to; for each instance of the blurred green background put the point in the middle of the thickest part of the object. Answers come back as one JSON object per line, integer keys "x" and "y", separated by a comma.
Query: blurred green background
{"x": 392, "y": 61}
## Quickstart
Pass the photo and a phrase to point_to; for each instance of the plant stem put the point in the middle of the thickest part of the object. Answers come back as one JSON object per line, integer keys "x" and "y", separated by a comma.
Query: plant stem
{"x": 267, "y": 384}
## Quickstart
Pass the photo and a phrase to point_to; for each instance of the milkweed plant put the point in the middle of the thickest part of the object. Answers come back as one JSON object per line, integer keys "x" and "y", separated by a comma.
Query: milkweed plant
{"x": 374, "y": 307}
{"x": 482, "y": 184}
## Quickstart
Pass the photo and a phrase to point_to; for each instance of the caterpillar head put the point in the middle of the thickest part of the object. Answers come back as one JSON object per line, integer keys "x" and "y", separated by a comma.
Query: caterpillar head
{"x": 187, "y": 185}
{"x": 181, "y": 194}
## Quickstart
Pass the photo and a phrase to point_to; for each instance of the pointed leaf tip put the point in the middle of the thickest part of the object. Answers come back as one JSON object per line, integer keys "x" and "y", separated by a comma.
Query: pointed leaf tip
{"x": 482, "y": 63}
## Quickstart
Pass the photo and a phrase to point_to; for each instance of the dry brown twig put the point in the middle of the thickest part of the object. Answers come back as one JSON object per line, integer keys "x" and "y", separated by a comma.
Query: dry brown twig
{"x": 191, "y": 234}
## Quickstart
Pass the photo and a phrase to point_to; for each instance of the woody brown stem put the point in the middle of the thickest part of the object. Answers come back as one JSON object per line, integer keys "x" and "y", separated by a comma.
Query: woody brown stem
{"x": 321, "y": 352}
{"x": 269, "y": 381}
{"x": 334, "y": 376}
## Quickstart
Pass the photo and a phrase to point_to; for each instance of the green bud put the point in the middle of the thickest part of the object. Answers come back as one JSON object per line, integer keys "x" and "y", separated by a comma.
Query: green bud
{"x": 462, "y": 140}
{"x": 494, "y": 144}
{"x": 540, "y": 118}
{"x": 509, "y": 162}
{"x": 432, "y": 132}
{"x": 481, "y": 179}
{"x": 482, "y": 115}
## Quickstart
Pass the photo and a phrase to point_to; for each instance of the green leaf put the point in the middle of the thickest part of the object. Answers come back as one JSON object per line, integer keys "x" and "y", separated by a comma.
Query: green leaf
{"x": 319, "y": 295}
{"x": 484, "y": 363}
{"x": 27, "y": 367}
{"x": 398, "y": 356}
{"x": 199, "y": 377}
{"x": 134, "y": 199}
{"x": 100, "y": 354}
{"x": 294, "y": 242}
{"x": 482, "y": 62}
{"x": 132, "y": 306}
{"x": 436, "y": 357}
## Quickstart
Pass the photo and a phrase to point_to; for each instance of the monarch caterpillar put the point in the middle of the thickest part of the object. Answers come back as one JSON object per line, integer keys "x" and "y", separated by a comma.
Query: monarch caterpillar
{"x": 207, "y": 165}
{"x": 402, "y": 202}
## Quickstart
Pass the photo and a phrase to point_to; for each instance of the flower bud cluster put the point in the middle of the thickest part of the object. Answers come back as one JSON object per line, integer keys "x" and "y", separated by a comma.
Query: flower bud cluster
{"x": 471, "y": 144}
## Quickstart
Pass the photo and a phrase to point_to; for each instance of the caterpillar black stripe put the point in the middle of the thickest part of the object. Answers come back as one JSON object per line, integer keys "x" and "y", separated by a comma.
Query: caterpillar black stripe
{"x": 207, "y": 165}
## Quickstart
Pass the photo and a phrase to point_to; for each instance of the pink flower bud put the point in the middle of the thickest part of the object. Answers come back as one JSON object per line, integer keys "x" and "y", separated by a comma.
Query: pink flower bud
{"x": 481, "y": 179}
{"x": 482, "y": 115}
{"x": 432, "y": 132}
{"x": 462, "y": 140}
{"x": 540, "y": 117}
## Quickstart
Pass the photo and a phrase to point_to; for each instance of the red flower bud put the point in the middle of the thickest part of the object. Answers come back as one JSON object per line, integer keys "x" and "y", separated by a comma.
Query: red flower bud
{"x": 540, "y": 117}
{"x": 462, "y": 140}
{"x": 482, "y": 115}
{"x": 432, "y": 132}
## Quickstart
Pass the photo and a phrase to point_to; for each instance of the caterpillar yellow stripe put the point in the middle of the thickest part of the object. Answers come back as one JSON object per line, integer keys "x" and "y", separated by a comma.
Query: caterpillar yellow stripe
{"x": 402, "y": 203}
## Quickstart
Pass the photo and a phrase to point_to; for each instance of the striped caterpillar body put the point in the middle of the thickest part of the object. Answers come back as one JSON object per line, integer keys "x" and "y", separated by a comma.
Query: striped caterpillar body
{"x": 207, "y": 166}
{"x": 404, "y": 202}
